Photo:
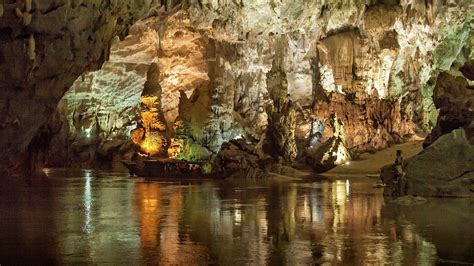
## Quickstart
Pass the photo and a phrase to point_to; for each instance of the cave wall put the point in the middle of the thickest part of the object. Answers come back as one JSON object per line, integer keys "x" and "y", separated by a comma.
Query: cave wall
{"x": 372, "y": 64}
{"x": 45, "y": 46}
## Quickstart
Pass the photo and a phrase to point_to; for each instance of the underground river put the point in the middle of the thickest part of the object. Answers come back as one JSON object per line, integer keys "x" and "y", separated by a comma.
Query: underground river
{"x": 91, "y": 217}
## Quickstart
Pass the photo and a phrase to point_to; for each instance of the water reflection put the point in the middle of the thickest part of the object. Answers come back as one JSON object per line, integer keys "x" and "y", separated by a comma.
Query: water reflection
{"x": 87, "y": 201}
{"x": 108, "y": 218}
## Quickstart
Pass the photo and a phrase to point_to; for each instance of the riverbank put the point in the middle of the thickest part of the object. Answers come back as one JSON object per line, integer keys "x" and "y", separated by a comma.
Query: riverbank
{"x": 370, "y": 163}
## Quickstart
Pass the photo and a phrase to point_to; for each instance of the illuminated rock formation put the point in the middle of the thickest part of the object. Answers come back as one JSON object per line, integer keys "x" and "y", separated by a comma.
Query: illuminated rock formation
{"x": 333, "y": 152}
{"x": 373, "y": 64}
{"x": 102, "y": 107}
{"x": 150, "y": 134}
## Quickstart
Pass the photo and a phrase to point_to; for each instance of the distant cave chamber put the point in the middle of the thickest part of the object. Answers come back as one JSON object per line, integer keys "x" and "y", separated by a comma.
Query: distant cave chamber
{"x": 317, "y": 85}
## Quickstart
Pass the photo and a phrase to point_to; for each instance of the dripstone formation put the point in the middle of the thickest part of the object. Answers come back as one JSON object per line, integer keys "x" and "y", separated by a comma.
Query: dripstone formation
{"x": 302, "y": 81}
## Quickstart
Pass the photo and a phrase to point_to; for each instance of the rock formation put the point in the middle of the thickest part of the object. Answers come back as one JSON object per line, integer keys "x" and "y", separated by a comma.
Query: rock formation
{"x": 282, "y": 114}
{"x": 44, "y": 47}
{"x": 455, "y": 102}
{"x": 150, "y": 134}
{"x": 445, "y": 168}
{"x": 332, "y": 152}
{"x": 270, "y": 72}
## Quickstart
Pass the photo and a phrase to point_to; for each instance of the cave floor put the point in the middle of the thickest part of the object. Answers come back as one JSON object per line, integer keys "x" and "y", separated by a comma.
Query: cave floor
{"x": 370, "y": 163}
{"x": 91, "y": 217}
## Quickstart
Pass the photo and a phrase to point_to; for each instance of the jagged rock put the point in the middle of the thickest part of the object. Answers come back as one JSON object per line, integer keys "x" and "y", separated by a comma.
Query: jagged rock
{"x": 443, "y": 169}
{"x": 456, "y": 105}
{"x": 109, "y": 147}
{"x": 43, "y": 54}
{"x": 333, "y": 152}
{"x": 370, "y": 62}
{"x": 152, "y": 126}
{"x": 240, "y": 158}
{"x": 282, "y": 114}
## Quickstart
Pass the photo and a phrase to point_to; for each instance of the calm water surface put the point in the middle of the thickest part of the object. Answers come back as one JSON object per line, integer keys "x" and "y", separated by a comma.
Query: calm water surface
{"x": 92, "y": 217}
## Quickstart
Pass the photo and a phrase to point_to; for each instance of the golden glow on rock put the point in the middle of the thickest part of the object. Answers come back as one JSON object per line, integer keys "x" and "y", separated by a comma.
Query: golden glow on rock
{"x": 149, "y": 135}
{"x": 175, "y": 148}
{"x": 153, "y": 143}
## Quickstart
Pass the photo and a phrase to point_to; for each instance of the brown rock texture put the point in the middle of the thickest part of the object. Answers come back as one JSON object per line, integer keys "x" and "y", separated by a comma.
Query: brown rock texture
{"x": 468, "y": 70}
{"x": 443, "y": 169}
{"x": 455, "y": 102}
{"x": 45, "y": 46}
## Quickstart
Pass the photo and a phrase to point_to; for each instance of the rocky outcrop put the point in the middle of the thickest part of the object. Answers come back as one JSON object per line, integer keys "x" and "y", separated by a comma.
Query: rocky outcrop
{"x": 243, "y": 160}
{"x": 456, "y": 105}
{"x": 443, "y": 169}
{"x": 44, "y": 47}
{"x": 108, "y": 101}
{"x": 281, "y": 115}
{"x": 372, "y": 63}
{"x": 332, "y": 152}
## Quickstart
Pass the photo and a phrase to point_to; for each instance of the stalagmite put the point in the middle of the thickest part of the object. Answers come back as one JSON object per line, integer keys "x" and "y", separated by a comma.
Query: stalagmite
{"x": 236, "y": 132}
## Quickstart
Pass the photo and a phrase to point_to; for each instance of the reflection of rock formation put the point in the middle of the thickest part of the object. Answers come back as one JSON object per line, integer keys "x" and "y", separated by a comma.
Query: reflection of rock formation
{"x": 149, "y": 201}
{"x": 150, "y": 133}
{"x": 446, "y": 223}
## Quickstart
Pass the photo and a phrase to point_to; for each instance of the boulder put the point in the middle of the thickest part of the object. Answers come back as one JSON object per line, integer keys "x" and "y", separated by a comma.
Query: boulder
{"x": 330, "y": 154}
{"x": 333, "y": 152}
{"x": 443, "y": 169}
{"x": 240, "y": 158}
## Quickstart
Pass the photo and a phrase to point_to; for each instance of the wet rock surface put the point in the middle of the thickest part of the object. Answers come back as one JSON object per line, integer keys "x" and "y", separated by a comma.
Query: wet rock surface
{"x": 443, "y": 169}
{"x": 243, "y": 160}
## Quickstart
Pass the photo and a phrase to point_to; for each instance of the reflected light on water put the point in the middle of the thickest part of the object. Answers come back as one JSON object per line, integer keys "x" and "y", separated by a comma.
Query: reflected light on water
{"x": 88, "y": 228}
{"x": 148, "y": 196}
{"x": 119, "y": 220}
